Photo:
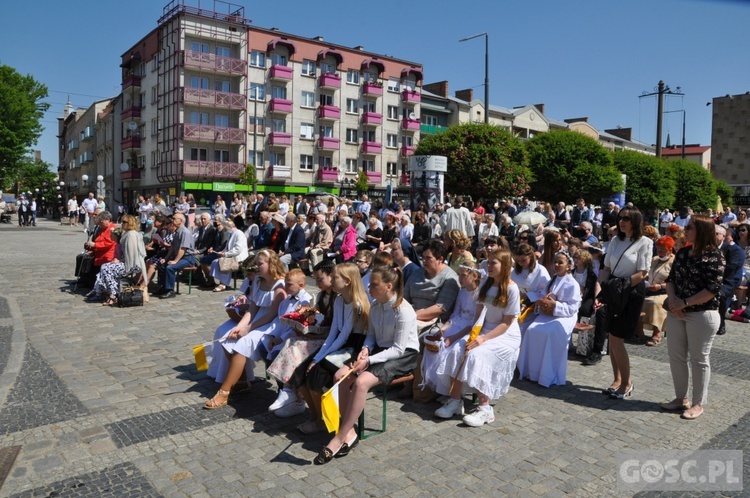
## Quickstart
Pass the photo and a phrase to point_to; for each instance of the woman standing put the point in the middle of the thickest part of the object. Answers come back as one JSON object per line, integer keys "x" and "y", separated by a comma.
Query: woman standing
{"x": 626, "y": 265}
{"x": 656, "y": 291}
{"x": 220, "y": 207}
{"x": 191, "y": 211}
{"x": 693, "y": 289}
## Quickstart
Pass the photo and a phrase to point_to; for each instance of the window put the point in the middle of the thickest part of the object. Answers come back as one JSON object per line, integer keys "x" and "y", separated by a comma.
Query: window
{"x": 154, "y": 158}
{"x": 256, "y": 125}
{"x": 391, "y": 140}
{"x": 306, "y": 131}
{"x": 308, "y": 99}
{"x": 196, "y": 82}
{"x": 221, "y": 120}
{"x": 257, "y": 92}
{"x": 200, "y": 47}
{"x": 391, "y": 169}
{"x": 221, "y": 156}
{"x": 352, "y": 106}
{"x": 278, "y": 60}
{"x": 429, "y": 120}
{"x": 154, "y": 95}
{"x": 278, "y": 92}
{"x": 370, "y": 77}
{"x": 222, "y": 51}
{"x": 257, "y": 58}
{"x": 369, "y": 106}
{"x": 351, "y": 165}
{"x": 392, "y": 112}
{"x": 258, "y": 162}
{"x": 406, "y": 140}
{"x": 325, "y": 162}
{"x": 326, "y": 131}
{"x": 156, "y": 62}
{"x": 369, "y": 136}
{"x": 142, "y": 162}
{"x": 222, "y": 86}
{"x": 326, "y": 99}
{"x": 327, "y": 68}
{"x": 142, "y": 101}
{"x": 277, "y": 158}
{"x": 305, "y": 162}
{"x": 154, "y": 126}
{"x": 197, "y": 154}
{"x": 198, "y": 117}
{"x": 352, "y": 77}
{"x": 308, "y": 68}
{"x": 393, "y": 85}
{"x": 279, "y": 125}
{"x": 351, "y": 135}
{"x": 368, "y": 165}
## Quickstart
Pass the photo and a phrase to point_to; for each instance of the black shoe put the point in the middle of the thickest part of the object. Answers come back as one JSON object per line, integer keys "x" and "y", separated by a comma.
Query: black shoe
{"x": 745, "y": 314}
{"x": 160, "y": 292}
{"x": 592, "y": 359}
{"x": 168, "y": 295}
{"x": 722, "y": 330}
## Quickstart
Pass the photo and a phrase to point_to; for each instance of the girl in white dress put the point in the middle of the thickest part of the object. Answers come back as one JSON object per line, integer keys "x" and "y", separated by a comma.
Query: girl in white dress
{"x": 459, "y": 324}
{"x": 544, "y": 350}
{"x": 241, "y": 342}
{"x": 491, "y": 357}
{"x": 530, "y": 277}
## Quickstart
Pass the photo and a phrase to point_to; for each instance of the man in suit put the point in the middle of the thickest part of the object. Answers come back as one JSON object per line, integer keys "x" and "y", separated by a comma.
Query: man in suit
{"x": 293, "y": 249}
{"x": 609, "y": 219}
{"x": 734, "y": 258}
{"x": 259, "y": 206}
{"x": 206, "y": 235}
{"x": 300, "y": 207}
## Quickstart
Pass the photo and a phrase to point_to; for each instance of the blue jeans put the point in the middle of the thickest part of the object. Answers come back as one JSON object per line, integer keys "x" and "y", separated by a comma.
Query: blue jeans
{"x": 168, "y": 273}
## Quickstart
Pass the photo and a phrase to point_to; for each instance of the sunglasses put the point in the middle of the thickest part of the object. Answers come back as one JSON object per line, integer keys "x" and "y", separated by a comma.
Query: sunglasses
{"x": 523, "y": 238}
{"x": 624, "y": 218}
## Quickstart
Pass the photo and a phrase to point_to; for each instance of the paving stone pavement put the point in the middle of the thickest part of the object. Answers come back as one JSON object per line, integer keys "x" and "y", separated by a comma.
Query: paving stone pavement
{"x": 106, "y": 402}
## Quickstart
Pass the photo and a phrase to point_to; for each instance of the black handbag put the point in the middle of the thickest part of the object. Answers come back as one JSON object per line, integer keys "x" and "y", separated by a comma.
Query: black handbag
{"x": 130, "y": 296}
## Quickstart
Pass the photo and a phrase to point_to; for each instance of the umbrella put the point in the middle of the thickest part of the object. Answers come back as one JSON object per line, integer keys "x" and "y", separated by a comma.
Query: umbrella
{"x": 324, "y": 197}
{"x": 530, "y": 218}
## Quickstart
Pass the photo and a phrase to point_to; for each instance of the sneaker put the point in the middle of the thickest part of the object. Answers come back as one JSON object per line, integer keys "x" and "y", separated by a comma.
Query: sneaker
{"x": 479, "y": 417}
{"x": 592, "y": 359}
{"x": 292, "y": 409}
{"x": 452, "y": 408}
{"x": 286, "y": 396}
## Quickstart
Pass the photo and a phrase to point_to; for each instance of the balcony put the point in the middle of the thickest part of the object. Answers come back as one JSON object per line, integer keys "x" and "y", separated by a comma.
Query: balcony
{"x": 87, "y": 133}
{"x": 131, "y": 112}
{"x": 86, "y": 157}
{"x": 329, "y": 112}
{"x": 131, "y": 174}
{"x": 372, "y": 89}
{"x": 374, "y": 177}
{"x": 372, "y": 118}
{"x": 279, "y": 172}
{"x": 211, "y": 169}
{"x": 279, "y": 138}
{"x": 407, "y": 150}
{"x": 328, "y": 143}
{"x": 404, "y": 180}
{"x": 328, "y": 175}
{"x": 372, "y": 147}
{"x": 211, "y": 62}
{"x": 410, "y": 124}
{"x": 131, "y": 81}
{"x": 73, "y": 145}
{"x": 329, "y": 80}
{"x": 212, "y": 98}
{"x": 431, "y": 129}
{"x": 281, "y": 105}
{"x": 282, "y": 73}
{"x": 411, "y": 96}
{"x": 132, "y": 142}
{"x": 218, "y": 134}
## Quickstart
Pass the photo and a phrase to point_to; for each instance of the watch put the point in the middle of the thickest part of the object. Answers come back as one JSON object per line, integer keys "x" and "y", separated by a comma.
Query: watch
{"x": 686, "y": 303}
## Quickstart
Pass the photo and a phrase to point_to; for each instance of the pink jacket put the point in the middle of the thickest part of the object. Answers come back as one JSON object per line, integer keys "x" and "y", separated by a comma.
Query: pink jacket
{"x": 349, "y": 244}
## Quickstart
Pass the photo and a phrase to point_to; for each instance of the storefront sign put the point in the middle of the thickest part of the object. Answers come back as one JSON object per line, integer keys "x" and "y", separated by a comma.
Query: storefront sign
{"x": 223, "y": 187}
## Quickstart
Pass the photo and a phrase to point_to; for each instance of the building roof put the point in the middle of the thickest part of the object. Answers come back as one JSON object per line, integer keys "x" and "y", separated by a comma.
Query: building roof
{"x": 690, "y": 150}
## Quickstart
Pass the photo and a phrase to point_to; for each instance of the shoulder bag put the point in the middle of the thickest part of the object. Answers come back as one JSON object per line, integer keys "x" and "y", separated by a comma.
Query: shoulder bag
{"x": 228, "y": 264}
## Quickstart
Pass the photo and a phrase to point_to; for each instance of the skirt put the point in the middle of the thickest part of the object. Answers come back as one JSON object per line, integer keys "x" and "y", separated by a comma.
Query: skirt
{"x": 297, "y": 350}
{"x": 656, "y": 315}
{"x": 544, "y": 350}
{"x": 397, "y": 367}
{"x": 321, "y": 376}
{"x": 218, "y": 367}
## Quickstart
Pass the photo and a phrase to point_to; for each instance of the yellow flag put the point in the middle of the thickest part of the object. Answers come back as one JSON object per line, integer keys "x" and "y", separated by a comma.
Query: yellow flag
{"x": 477, "y": 328}
{"x": 329, "y": 406}
{"x": 204, "y": 354}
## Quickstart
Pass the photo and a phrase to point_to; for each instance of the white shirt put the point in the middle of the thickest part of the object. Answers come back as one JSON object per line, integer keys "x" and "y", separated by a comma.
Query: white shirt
{"x": 635, "y": 258}
{"x": 90, "y": 205}
{"x": 72, "y": 205}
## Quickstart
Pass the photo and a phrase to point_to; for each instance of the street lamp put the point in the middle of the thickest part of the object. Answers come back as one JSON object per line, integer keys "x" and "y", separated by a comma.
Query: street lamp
{"x": 486, "y": 72}
{"x": 100, "y": 187}
{"x": 85, "y": 180}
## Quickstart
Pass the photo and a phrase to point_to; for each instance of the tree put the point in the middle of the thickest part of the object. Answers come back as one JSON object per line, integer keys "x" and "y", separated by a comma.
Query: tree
{"x": 363, "y": 183}
{"x": 248, "y": 177}
{"x": 21, "y": 110}
{"x": 695, "y": 186}
{"x": 568, "y": 165}
{"x": 650, "y": 182}
{"x": 483, "y": 160}
{"x": 724, "y": 191}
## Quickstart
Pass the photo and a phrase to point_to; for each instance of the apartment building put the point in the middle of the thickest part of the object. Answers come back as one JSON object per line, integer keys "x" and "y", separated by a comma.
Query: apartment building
{"x": 730, "y": 143}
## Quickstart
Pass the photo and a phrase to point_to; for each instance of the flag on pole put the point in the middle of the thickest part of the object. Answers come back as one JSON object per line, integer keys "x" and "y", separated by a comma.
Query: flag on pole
{"x": 477, "y": 328}
{"x": 204, "y": 355}
{"x": 329, "y": 406}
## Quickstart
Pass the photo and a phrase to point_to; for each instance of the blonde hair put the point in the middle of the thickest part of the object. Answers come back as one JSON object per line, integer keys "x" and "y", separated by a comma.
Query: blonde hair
{"x": 276, "y": 267}
{"x": 460, "y": 241}
{"x": 297, "y": 274}
{"x": 585, "y": 258}
{"x": 506, "y": 261}
{"x": 350, "y": 272}
{"x": 473, "y": 269}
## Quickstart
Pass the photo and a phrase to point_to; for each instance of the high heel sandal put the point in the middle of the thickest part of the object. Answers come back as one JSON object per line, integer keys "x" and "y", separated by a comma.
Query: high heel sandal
{"x": 112, "y": 301}
{"x": 212, "y": 404}
{"x": 629, "y": 392}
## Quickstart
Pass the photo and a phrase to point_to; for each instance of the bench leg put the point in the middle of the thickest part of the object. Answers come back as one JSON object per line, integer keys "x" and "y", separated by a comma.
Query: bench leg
{"x": 190, "y": 282}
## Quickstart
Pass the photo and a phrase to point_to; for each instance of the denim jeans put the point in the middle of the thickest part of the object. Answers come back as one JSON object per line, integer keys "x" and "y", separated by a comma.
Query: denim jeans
{"x": 168, "y": 273}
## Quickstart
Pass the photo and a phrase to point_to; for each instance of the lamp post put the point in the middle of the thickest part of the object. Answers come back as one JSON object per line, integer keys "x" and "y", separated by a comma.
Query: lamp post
{"x": 100, "y": 187}
{"x": 486, "y": 72}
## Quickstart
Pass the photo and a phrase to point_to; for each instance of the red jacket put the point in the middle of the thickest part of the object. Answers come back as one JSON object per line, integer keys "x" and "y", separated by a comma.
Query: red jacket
{"x": 104, "y": 246}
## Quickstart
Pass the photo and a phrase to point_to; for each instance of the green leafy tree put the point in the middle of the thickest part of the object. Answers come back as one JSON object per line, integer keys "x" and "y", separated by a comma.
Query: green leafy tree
{"x": 695, "y": 186}
{"x": 568, "y": 165}
{"x": 248, "y": 177}
{"x": 362, "y": 184}
{"x": 650, "y": 183}
{"x": 724, "y": 191}
{"x": 21, "y": 110}
{"x": 483, "y": 160}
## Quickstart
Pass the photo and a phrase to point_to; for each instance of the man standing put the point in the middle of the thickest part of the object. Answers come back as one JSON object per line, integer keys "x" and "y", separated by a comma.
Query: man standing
{"x": 580, "y": 214}
{"x": 259, "y": 206}
{"x": 734, "y": 257}
{"x": 32, "y": 209}
{"x": 145, "y": 209}
{"x": 90, "y": 204}
{"x": 457, "y": 217}
{"x": 609, "y": 219}
{"x": 181, "y": 255}
{"x": 729, "y": 216}
{"x": 73, "y": 210}
{"x": 294, "y": 246}
{"x": 300, "y": 207}
{"x": 364, "y": 207}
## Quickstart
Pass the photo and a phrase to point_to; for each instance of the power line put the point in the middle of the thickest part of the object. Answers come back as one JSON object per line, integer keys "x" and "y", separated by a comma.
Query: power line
{"x": 80, "y": 94}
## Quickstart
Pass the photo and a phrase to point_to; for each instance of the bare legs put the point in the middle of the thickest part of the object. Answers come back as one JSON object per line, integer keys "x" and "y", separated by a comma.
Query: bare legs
{"x": 352, "y": 397}
{"x": 620, "y": 364}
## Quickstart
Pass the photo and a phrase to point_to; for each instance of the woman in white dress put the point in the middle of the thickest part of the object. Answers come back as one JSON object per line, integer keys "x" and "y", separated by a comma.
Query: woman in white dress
{"x": 530, "y": 277}
{"x": 236, "y": 248}
{"x": 241, "y": 342}
{"x": 490, "y": 359}
{"x": 544, "y": 350}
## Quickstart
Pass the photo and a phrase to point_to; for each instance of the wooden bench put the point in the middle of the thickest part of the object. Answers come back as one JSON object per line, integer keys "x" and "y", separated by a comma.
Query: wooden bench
{"x": 190, "y": 270}
{"x": 374, "y": 432}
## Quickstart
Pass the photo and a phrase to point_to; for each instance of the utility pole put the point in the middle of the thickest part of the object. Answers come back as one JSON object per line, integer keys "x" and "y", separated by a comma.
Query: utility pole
{"x": 661, "y": 90}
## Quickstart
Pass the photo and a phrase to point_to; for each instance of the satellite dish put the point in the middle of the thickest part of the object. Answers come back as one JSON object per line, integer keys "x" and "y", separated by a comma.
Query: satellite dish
{"x": 124, "y": 167}
{"x": 412, "y": 116}
{"x": 132, "y": 126}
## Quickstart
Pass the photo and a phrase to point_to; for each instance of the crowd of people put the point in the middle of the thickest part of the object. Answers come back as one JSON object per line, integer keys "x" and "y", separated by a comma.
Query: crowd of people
{"x": 490, "y": 294}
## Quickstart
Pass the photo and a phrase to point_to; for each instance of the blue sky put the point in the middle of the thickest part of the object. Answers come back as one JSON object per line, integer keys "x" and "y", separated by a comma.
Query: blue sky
{"x": 579, "y": 58}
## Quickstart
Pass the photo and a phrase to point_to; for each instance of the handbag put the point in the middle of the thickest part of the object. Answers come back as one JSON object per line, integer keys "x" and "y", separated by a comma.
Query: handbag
{"x": 130, "y": 296}
{"x": 227, "y": 264}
